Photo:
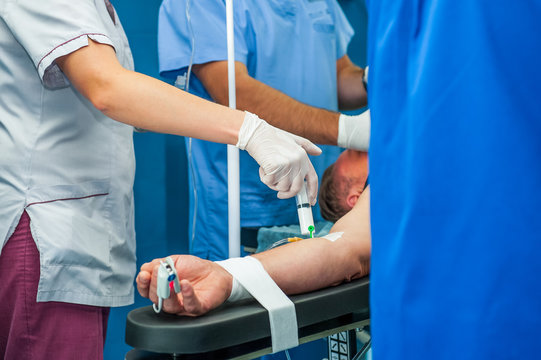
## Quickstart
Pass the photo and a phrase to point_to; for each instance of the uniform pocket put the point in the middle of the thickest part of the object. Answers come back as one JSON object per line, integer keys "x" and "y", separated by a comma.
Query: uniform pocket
{"x": 285, "y": 9}
{"x": 322, "y": 20}
{"x": 71, "y": 224}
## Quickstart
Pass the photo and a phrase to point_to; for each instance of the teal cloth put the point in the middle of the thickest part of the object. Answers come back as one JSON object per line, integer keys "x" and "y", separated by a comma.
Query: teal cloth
{"x": 267, "y": 236}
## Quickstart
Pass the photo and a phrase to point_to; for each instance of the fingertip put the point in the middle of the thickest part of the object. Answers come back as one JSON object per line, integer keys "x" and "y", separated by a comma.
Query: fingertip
{"x": 296, "y": 186}
{"x": 143, "y": 277}
{"x": 315, "y": 150}
{"x": 312, "y": 185}
{"x": 307, "y": 145}
{"x": 282, "y": 195}
{"x": 143, "y": 281}
{"x": 313, "y": 194}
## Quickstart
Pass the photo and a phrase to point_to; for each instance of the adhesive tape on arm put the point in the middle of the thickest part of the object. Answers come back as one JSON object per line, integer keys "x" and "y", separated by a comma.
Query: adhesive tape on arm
{"x": 282, "y": 317}
{"x": 332, "y": 237}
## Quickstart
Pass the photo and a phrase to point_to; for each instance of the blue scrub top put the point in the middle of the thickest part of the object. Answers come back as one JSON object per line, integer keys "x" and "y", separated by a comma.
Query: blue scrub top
{"x": 455, "y": 174}
{"x": 291, "y": 46}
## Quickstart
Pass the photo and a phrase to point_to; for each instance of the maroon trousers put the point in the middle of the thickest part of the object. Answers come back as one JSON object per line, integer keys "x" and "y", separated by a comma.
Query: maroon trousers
{"x": 44, "y": 330}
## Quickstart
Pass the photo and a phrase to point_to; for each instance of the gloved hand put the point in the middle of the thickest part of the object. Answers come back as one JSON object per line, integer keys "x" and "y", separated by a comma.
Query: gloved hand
{"x": 354, "y": 131}
{"x": 282, "y": 157}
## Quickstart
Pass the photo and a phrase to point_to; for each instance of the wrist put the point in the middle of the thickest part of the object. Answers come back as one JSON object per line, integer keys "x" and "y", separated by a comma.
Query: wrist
{"x": 365, "y": 79}
{"x": 354, "y": 131}
{"x": 237, "y": 292}
{"x": 248, "y": 128}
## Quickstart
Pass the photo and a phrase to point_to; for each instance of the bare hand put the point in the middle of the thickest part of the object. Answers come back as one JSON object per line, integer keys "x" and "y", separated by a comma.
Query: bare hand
{"x": 204, "y": 285}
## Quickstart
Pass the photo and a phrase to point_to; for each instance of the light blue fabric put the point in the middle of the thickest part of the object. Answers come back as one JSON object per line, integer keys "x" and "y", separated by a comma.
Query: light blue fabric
{"x": 291, "y": 46}
{"x": 269, "y": 236}
{"x": 61, "y": 159}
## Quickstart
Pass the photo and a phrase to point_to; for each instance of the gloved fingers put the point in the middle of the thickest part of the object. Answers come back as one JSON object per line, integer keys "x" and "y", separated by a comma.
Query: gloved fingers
{"x": 293, "y": 188}
{"x": 277, "y": 179}
{"x": 312, "y": 185}
{"x": 267, "y": 179}
{"x": 281, "y": 182}
{"x": 282, "y": 157}
{"x": 307, "y": 145}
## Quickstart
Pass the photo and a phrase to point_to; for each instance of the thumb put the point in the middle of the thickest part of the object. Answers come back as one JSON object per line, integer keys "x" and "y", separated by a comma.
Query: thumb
{"x": 190, "y": 302}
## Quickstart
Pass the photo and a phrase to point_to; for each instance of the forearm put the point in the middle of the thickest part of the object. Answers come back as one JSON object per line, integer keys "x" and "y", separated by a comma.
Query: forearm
{"x": 280, "y": 110}
{"x": 316, "y": 124}
{"x": 312, "y": 264}
{"x": 351, "y": 91}
{"x": 147, "y": 103}
{"x": 143, "y": 101}
{"x": 316, "y": 263}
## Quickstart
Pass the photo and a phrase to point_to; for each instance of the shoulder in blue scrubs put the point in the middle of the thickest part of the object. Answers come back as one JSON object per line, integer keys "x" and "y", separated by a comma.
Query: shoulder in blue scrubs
{"x": 292, "y": 46}
{"x": 455, "y": 178}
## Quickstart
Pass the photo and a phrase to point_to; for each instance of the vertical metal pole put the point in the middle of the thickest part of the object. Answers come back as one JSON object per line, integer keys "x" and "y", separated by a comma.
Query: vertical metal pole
{"x": 233, "y": 178}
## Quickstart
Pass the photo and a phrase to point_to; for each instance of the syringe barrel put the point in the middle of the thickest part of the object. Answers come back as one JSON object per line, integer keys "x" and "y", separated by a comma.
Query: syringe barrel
{"x": 304, "y": 210}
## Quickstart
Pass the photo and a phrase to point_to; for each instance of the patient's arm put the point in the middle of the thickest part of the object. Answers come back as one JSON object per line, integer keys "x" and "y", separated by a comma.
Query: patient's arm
{"x": 316, "y": 263}
{"x": 297, "y": 267}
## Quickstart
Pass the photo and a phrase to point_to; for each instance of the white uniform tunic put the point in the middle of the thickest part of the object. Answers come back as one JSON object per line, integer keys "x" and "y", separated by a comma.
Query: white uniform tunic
{"x": 61, "y": 159}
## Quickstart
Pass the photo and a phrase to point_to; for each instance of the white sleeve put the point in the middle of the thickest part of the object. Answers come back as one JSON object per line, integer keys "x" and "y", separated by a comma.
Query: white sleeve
{"x": 53, "y": 28}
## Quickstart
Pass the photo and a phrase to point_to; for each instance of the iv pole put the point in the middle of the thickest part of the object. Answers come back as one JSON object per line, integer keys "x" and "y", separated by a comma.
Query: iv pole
{"x": 233, "y": 177}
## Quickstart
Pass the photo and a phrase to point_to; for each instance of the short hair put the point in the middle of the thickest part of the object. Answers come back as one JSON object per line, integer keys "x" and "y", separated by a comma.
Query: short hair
{"x": 332, "y": 193}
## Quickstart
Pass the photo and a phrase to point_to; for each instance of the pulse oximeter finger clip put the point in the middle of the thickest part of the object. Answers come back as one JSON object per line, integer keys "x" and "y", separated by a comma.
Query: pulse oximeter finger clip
{"x": 167, "y": 280}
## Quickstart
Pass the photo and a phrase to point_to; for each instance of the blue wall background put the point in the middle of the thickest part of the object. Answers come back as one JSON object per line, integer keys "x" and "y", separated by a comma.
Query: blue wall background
{"x": 161, "y": 181}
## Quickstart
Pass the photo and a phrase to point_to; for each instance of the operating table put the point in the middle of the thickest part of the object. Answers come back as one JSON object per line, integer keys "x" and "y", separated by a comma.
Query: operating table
{"x": 241, "y": 330}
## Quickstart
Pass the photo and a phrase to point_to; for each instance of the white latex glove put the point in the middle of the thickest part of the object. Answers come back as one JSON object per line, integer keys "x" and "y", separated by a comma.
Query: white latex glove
{"x": 354, "y": 131}
{"x": 282, "y": 157}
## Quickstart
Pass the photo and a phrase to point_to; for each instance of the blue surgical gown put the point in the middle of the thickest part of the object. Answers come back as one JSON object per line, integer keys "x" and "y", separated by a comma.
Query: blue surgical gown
{"x": 291, "y": 46}
{"x": 455, "y": 173}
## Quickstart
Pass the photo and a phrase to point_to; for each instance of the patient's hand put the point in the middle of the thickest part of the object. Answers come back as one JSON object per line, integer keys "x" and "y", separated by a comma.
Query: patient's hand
{"x": 204, "y": 285}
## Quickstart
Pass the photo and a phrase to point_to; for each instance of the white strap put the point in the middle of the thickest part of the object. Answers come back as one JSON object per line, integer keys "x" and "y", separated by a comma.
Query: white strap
{"x": 238, "y": 292}
{"x": 282, "y": 317}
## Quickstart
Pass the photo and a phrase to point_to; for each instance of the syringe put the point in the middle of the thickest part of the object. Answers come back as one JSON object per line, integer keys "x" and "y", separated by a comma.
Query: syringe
{"x": 304, "y": 210}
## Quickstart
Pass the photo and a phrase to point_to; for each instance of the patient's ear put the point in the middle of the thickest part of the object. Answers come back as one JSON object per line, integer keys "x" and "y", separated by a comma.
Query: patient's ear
{"x": 351, "y": 199}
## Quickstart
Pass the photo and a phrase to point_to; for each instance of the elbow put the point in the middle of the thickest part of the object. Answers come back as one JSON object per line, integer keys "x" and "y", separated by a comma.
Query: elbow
{"x": 358, "y": 260}
{"x": 357, "y": 269}
{"x": 352, "y": 99}
{"x": 100, "y": 102}
{"x": 361, "y": 269}
{"x": 101, "y": 94}
{"x": 104, "y": 89}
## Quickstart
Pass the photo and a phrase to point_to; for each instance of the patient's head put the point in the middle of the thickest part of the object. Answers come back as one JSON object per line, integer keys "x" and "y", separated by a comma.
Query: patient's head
{"x": 342, "y": 184}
